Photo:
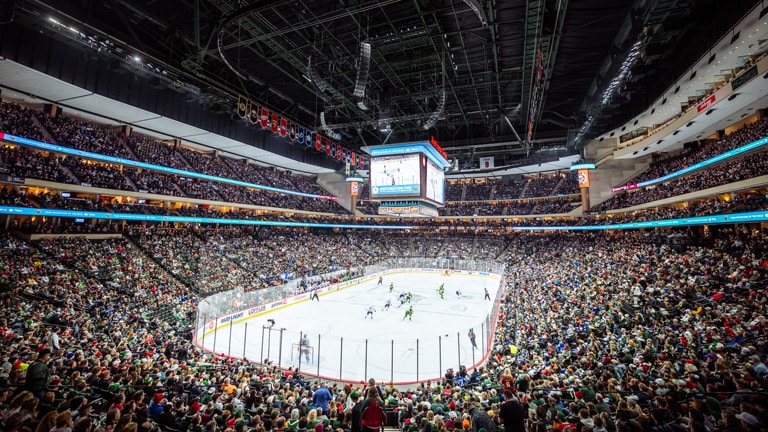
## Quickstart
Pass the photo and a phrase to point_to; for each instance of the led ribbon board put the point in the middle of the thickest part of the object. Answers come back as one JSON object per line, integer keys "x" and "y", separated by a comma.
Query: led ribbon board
{"x": 128, "y": 162}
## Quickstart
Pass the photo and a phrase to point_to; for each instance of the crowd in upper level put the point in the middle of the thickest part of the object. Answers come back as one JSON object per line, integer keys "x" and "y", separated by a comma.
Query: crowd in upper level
{"x": 82, "y": 135}
{"x": 727, "y": 172}
{"x": 698, "y": 152}
{"x": 497, "y": 190}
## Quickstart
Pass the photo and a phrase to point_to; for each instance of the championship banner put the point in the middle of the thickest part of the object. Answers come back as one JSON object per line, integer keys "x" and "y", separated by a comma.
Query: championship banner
{"x": 300, "y": 135}
{"x": 242, "y": 106}
{"x": 308, "y": 138}
{"x": 339, "y": 152}
{"x": 318, "y": 142}
{"x": 328, "y": 146}
{"x": 361, "y": 162}
{"x": 292, "y": 132}
{"x": 348, "y": 155}
{"x": 333, "y": 150}
{"x": 352, "y": 160}
{"x": 253, "y": 116}
{"x": 273, "y": 125}
{"x": 264, "y": 119}
{"x": 283, "y": 127}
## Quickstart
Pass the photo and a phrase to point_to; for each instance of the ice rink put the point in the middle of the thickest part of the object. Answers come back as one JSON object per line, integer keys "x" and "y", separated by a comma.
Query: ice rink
{"x": 348, "y": 346}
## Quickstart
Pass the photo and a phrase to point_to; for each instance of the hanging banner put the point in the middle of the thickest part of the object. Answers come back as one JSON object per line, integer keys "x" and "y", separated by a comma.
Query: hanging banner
{"x": 583, "y": 176}
{"x": 318, "y": 142}
{"x": 274, "y": 124}
{"x": 283, "y": 127}
{"x": 242, "y": 106}
{"x": 486, "y": 162}
{"x": 253, "y": 116}
{"x": 300, "y": 135}
{"x": 264, "y": 117}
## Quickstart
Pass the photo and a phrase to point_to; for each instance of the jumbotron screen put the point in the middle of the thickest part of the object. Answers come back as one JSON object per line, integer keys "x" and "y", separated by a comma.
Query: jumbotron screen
{"x": 395, "y": 176}
{"x": 435, "y": 187}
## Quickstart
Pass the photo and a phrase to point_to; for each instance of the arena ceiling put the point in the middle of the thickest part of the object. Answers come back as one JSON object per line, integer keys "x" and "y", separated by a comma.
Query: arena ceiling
{"x": 475, "y": 74}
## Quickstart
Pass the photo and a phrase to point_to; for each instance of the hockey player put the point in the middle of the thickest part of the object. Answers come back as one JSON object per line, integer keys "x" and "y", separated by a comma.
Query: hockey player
{"x": 304, "y": 346}
{"x": 472, "y": 339}
{"x": 409, "y": 313}
{"x": 402, "y": 298}
{"x": 458, "y": 293}
{"x": 387, "y": 304}
{"x": 381, "y": 281}
{"x": 441, "y": 291}
{"x": 408, "y": 297}
{"x": 391, "y": 286}
{"x": 487, "y": 295}
{"x": 370, "y": 312}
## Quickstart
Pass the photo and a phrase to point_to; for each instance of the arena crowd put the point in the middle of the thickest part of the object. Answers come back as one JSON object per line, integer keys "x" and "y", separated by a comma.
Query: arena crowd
{"x": 597, "y": 332}
{"x": 619, "y": 332}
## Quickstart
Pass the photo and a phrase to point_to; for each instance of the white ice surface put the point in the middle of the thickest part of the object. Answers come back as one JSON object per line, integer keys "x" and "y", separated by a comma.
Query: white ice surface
{"x": 338, "y": 330}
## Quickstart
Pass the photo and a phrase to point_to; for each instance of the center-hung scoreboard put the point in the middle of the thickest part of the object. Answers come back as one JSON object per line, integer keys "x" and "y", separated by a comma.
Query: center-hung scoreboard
{"x": 407, "y": 179}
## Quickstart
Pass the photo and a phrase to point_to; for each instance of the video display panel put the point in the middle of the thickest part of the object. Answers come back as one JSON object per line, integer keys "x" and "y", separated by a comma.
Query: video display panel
{"x": 435, "y": 187}
{"x": 397, "y": 175}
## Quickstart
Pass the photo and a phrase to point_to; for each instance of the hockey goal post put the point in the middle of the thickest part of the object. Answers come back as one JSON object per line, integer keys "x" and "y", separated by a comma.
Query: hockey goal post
{"x": 296, "y": 350}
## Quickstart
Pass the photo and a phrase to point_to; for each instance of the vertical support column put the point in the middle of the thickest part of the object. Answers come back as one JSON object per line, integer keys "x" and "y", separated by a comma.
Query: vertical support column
{"x": 354, "y": 191}
{"x": 318, "y": 356}
{"x": 417, "y": 359}
{"x": 341, "y": 356}
{"x": 245, "y": 339}
{"x": 126, "y": 130}
{"x": 440, "y": 353}
{"x": 52, "y": 109}
{"x": 215, "y": 331}
{"x": 392, "y": 362}
{"x": 229, "y": 344}
{"x": 261, "y": 354}
{"x": 458, "y": 348}
{"x": 585, "y": 198}
{"x": 583, "y": 173}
